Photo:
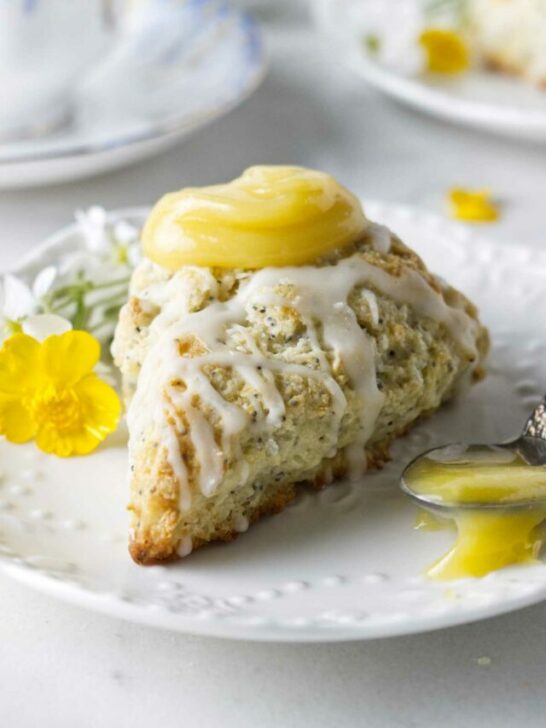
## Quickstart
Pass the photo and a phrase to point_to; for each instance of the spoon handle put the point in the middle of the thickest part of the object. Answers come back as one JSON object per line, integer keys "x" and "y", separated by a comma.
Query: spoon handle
{"x": 536, "y": 424}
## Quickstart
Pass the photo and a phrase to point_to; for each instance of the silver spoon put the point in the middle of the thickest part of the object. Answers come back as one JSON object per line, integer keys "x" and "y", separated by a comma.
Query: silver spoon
{"x": 530, "y": 446}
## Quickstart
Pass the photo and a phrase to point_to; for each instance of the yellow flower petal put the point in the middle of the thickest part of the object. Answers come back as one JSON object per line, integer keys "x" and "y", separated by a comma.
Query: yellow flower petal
{"x": 101, "y": 406}
{"x": 16, "y": 423}
{"x": 51, "y": 441}
{"x": 18, "y": 364}
{"x": 472, "y": 205}
{"x": 69, "y": 357}
{"x": 446, "y": 51}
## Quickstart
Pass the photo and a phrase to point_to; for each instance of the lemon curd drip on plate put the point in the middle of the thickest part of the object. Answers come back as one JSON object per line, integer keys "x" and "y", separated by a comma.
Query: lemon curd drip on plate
{"x": 487, "y": 538}
{"x": 269, "y": 216}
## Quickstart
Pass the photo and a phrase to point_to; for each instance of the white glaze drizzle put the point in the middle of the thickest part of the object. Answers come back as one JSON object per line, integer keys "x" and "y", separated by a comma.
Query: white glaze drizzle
{"x": 371, "y": 300}
{"x": 380, "y": 237}
{"x": 185, "y": 546}
{"x": 241, "y": 524}
{"x": 317, "y": 294}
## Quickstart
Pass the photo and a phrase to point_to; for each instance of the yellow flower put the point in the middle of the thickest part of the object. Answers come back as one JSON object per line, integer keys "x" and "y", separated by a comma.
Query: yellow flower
{"x": 48, "y": 392}
{"x": 472, "y": 205}
{"x": 446, "y": 51}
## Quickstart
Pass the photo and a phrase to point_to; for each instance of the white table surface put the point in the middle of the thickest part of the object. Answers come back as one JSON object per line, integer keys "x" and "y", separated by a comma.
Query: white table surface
{"x": 67, "y": 668}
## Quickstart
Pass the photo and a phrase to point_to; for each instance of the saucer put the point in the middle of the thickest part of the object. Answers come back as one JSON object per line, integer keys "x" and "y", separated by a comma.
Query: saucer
{"x": 480, "y": 98}
{"x": 177, "y": 67}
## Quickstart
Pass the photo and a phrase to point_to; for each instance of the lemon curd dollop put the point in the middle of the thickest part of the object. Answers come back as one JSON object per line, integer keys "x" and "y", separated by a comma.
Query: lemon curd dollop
{"x": 487, "y": 539}
{"x": 269, "y": 216}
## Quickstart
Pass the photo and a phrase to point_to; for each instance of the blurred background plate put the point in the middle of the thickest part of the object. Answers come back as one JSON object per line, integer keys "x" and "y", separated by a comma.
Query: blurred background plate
{"x": 479, "y": 98}
{"x": 179, "y": 65}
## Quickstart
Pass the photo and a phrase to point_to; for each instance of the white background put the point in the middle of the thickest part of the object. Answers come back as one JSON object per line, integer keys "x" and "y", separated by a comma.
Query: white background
{"x": 68, "y": 668}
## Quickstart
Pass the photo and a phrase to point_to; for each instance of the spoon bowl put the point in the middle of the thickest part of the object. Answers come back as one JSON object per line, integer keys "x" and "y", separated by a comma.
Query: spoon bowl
{"x": 495, "y": 494}
{"x": 528, "y": 450}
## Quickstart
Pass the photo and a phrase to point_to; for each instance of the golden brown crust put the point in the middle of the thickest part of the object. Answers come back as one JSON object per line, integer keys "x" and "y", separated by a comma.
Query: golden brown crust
{"x": 148, "y": 551}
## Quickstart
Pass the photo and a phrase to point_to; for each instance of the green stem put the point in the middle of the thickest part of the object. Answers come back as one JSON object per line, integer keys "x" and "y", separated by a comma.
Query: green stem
{"x": 111, "y": 284}
{"x": 76, "y": 289}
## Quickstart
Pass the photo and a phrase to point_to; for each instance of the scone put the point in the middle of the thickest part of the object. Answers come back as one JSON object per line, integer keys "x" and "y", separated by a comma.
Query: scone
{"x": 511, "y": 35}
{"x": 243, "y": 383}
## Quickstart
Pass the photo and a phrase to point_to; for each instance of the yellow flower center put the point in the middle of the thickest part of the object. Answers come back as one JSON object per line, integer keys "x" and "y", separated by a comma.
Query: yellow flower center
{"x": 60, "y": 409}
{"x": 446, "y": 51}
{"x": 122, "y": 255}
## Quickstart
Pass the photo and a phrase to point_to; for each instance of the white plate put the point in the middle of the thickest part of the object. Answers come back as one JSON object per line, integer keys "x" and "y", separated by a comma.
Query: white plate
{"x": 480, "y": 98}
{"x": 178, "y": 67}
{"x": 344, "y": 564}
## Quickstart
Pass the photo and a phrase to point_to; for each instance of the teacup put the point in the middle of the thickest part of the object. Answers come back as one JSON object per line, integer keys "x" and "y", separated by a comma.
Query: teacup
{"x": 45, "y": 47}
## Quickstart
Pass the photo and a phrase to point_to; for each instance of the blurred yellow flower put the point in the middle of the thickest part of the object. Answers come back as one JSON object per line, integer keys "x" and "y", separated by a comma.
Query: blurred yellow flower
{"x": 48, "y": 392}
{"x": 445, "y": 50}
{"x": 472, "y": 205}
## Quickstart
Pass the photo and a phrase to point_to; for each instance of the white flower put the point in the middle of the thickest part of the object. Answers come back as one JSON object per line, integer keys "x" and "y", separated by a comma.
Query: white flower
{"x": 134, "y": 254}
{"x": 18, "y": 301}
{"x": 127, "y": 244}
{"x": 92, "y": 224}
{"x": 43, "y": 282}
{"x": 82, "y": 263}
{"x": 125, "y": 233}
{"x": 391, "y": 31}
{"x": 45, "y": 324}
{"x": 105, "y": 245}
{"x": 87, "y": 286}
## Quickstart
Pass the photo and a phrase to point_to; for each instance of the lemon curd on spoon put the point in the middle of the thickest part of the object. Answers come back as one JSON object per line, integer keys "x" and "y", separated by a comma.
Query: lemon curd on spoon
{"x": 496, "y": 499}
{"x": 269, "y": 216}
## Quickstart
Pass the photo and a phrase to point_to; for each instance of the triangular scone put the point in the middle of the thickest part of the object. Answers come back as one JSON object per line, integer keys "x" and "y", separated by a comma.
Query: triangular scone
{"x": 242, "y": 384}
